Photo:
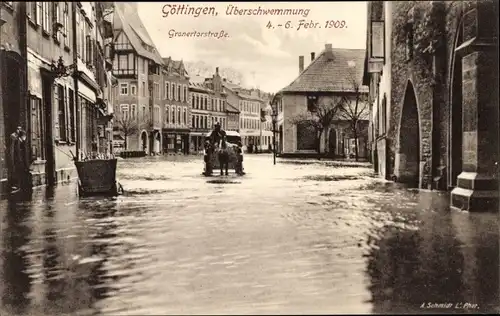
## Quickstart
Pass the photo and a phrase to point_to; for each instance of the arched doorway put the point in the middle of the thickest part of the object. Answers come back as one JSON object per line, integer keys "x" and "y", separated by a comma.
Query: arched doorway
{"x": 13, "y": 102}
{"x": 455, "y": 135}
{"x": 332, "y": 142}
{"x": 144, "y": 141}
{"x": 409, "y": 140}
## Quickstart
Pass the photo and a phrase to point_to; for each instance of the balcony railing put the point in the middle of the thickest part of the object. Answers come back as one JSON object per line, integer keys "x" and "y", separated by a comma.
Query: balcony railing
{"x": 124, "y": 72}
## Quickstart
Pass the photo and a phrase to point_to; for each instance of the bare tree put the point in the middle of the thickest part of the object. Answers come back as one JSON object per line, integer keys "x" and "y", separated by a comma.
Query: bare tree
{"x": 320, "y": 118}
{"x": 355, "y": 108}
{"x": 126, "y": 124}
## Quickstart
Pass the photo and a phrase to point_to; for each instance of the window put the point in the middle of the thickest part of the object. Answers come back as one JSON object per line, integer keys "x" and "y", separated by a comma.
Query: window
{"x": 143, "y": 84}
{"x": 178, "y": 93}
{"x": 172, "y": 95}
{"x": 157, "y": 90}
{"x": 37, "y": 139}
{"x": 167, "y": 89}
{"x": 143, "y": 112}
{"x": 46, "y": 16}
{"x": 72, "y": 106}
{"x": 125, "y": 112}
{"x": 179, "y": 121}
{"x": 185, "y": 93}
{"x": 133, "y": 89}
{"x": 185, "y": 117}
{"x": 123, "y": 88}
{"x": 61, "y": 112}
{"x": 173, "y": 115}
{"x": 133, "y": 111}
{"x": 192, "y": 101}
{"x": 65, "y": 30}
{"x": 312, "y": 102}
{"x": 192, "y": 121}
{"x": 57, "y": 18}
{"x": 167, "y": 115}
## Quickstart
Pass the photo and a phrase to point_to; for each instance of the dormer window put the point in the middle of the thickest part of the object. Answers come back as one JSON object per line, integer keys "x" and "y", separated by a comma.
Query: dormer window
{"x": 312, "y": 103}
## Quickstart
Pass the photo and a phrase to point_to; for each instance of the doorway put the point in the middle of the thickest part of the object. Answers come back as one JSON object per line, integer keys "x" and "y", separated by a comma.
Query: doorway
{"x": 409, "y": 139}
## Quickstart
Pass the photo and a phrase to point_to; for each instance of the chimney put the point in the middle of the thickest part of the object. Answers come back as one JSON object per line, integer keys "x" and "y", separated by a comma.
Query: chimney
{"x": 328, "y": 51}
{"x": 313, "y": 55}
{"x": 301, "y": 64}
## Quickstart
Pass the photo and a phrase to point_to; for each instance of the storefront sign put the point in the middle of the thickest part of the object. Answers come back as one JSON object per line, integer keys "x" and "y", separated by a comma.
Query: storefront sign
{"x": 34, "y": 81}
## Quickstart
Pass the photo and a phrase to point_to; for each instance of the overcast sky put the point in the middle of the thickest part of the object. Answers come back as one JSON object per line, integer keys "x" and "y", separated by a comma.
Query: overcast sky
{"x": 268, "y": 58}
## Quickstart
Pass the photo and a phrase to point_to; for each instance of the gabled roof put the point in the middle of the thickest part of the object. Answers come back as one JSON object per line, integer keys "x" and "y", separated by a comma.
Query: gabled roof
{"x": 231, "y": 108}
{"x": 331, "y": 75}
{"x": 127, "y": 18}
{"x": 177, "y": 66}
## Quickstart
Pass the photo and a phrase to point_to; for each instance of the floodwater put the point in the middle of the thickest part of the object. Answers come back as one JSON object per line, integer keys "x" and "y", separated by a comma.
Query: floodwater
{"x": 300, "y": 237}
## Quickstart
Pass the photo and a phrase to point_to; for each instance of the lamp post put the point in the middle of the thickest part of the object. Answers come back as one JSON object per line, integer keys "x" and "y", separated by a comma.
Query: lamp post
{"x": 274, "y": 116}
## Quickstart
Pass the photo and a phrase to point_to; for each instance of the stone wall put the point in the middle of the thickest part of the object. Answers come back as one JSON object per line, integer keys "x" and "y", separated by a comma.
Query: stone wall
{"x": 429, "y": 73}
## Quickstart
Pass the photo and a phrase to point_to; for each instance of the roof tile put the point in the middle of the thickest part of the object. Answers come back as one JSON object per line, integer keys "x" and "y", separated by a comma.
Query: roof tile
{"x": 335, "y": 75}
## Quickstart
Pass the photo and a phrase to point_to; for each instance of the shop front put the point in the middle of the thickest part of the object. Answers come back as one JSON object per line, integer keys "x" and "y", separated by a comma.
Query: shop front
{"x": 176, "y": 141}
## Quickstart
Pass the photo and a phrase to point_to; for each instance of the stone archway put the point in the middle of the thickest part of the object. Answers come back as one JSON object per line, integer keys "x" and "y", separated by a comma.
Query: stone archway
{"x": 408, "y": 156}
{"x": 144, "y": 141}
{"x": 455, "y": 133}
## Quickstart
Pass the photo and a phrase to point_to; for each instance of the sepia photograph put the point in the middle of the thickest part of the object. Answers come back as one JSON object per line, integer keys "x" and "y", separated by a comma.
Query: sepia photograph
{"x": 249, "y": 158}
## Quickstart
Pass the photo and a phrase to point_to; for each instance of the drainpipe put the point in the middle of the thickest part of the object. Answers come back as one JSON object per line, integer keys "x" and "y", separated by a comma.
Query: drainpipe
{"x": 23, "y": 39}
{"x": 75, "y": 80}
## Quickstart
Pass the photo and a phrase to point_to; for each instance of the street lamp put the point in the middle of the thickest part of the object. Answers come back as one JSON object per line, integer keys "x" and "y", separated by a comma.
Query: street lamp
{"x": 59, "y": 69}
{"x": 274, "y": 116}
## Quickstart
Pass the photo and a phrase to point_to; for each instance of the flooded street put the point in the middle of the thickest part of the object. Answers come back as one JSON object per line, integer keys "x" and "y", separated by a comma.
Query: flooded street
{"x": 301, "y": 237}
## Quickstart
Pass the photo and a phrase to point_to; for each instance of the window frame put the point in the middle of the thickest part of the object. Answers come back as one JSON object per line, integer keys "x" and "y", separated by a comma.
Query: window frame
{"x": 122, "y": 86}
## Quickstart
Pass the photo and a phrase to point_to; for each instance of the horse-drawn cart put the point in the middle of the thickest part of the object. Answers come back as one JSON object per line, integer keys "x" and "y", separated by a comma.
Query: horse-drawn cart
{"x": 213, "y": 154}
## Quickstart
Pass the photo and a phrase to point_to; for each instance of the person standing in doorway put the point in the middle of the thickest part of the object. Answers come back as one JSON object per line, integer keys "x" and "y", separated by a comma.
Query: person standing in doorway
{"x": 24, "y": 163}
{"x": 16, "y": 161}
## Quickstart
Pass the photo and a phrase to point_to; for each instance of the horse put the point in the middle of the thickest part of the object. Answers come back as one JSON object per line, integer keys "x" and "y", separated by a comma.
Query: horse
{"x": 223, "y": 155}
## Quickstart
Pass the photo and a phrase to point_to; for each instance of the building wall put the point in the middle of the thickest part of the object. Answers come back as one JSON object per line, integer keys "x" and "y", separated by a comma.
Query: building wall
{"x": 10, "y": 43}
{"x": 233, "y": 121}
{"x": 294, "y": 105}
{"x": 177, "y": 102}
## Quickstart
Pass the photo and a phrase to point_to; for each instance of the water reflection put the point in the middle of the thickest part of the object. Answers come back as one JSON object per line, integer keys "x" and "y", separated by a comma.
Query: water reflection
{"x": 99, "y": 243}
{"x": 16, "y": 281}
{"x": 409, "y": 268}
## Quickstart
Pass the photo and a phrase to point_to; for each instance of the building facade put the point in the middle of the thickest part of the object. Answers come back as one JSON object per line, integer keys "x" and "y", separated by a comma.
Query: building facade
{"x": 438, "y": 115}
{"x": 60, "y": 79}
{"x": 201, "y": 119}
{"x": 176, "y": 107}
{"x": 233, "y": 118}
{"x": 333, "y": 75}
{"x": 13, "y": 81}
{"x": 137, "y": 66}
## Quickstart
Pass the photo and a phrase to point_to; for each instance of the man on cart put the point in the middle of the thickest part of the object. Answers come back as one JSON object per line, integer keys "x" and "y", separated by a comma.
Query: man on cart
{"x": 216, "y": 136}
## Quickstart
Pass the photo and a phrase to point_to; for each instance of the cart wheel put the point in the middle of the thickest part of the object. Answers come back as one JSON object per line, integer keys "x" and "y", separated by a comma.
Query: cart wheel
{"x": 120, "y": 189}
